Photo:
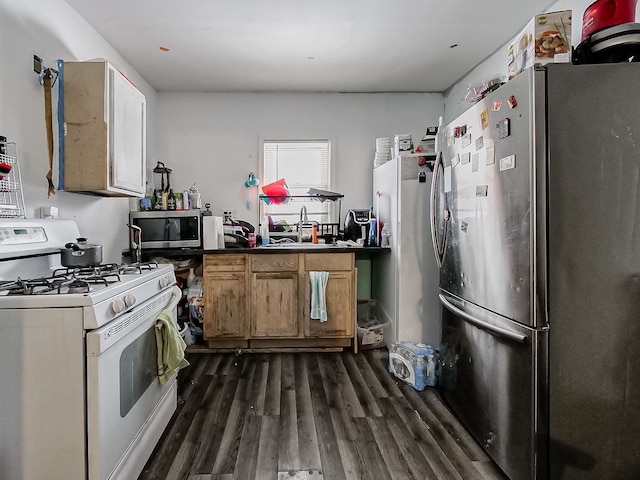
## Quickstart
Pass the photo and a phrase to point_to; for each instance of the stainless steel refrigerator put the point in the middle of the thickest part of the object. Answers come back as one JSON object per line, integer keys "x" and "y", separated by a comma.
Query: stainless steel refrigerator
{"x": 405, "y": 280}
{"x": 536, "y": 226}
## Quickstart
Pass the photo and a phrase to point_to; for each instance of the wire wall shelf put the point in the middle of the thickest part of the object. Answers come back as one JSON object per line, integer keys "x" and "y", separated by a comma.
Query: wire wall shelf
{"x": 11, "y": 195}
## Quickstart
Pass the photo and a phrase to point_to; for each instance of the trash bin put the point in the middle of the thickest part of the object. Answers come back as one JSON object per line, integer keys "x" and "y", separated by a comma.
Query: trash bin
{"x": 370, "y": 328}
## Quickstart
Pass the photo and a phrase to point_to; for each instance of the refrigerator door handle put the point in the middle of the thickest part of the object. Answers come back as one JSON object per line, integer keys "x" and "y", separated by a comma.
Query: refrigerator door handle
{"x": 500, "y": 332}
{"x": 432, "y": 212}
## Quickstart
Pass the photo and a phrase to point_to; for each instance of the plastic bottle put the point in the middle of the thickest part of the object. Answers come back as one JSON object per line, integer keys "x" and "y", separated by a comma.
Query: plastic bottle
{"x": 195, "y": 201}
{"x": 264, "y": 230}
{"x": 373, "y": 233}
{"x": 191, "y": 277}
{"x": 385, "y": 235}
{"x": 185, "y": 200}
{"x": 147, "y": 202}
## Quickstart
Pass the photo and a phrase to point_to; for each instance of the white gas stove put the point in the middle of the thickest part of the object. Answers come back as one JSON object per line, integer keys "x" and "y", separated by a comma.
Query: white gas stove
{"x": 81, "y": 398}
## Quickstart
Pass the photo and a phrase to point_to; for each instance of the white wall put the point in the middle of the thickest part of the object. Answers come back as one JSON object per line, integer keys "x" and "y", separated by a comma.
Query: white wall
{"x": 52, "y": 30}
{"x": 496, "y": 63}
{"x": 213, "y": 138}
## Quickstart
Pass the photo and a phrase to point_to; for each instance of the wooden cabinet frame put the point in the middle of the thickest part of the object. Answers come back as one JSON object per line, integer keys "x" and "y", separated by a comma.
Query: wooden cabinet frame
{"x": 274, "y": 291}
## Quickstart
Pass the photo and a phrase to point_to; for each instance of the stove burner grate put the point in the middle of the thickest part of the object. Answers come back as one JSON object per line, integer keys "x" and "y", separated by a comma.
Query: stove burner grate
{"x": 137, "y": 267}
{"x": 78, "y": 286}
{"x": 35, "y": 286}
{"x": 93, "y": 270}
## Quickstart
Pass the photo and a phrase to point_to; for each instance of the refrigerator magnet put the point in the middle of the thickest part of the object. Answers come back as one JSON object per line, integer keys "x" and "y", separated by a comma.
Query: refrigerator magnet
{"x": 451, "y": 141}
{"x": 490, "y": 155}
{"x": 475, "y": 161}
{"x": 484, "y": 118}
{"x": 479, "y": 143}
{"x": 447, "y": 179}
{"x": 465, "y": 158}
{"x": 496, "y": 106}
{"x": 466, "y": 140}
{"x": 512, "y": 101}
{"x": 503, "y": 128}
{"x": 507, "y": 163}
{"x": 455, "y": 160}
{"x": 481, "y": 190}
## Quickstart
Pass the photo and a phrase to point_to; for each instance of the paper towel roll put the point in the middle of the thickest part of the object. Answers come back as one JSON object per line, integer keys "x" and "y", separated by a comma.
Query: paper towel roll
{"x": 212, "y": 233}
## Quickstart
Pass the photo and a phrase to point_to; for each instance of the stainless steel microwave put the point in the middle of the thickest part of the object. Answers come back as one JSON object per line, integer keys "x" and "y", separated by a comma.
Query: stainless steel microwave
{"x": 168, "y": 228}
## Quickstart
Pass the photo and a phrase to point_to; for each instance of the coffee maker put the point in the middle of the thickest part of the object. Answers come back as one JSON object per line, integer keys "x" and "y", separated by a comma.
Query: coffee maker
{"x": 356, "y": 225}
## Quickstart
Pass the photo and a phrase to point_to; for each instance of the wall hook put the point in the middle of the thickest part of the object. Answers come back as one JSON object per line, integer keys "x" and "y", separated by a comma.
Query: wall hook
{"x": 50, "y": 73}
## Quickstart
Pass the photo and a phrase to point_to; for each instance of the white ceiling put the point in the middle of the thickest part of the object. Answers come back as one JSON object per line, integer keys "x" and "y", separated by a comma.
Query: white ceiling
{"x": 304, "y": 45}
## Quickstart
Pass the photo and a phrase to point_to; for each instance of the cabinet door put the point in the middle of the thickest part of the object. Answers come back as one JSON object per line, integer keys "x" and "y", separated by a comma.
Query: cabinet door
{"x": 127, "y": 142}
{"x": 274, "y": 304}
{"x": 339, "y": 296}
{"x": 104, "y": 131}
{"x": 225, "y": 305}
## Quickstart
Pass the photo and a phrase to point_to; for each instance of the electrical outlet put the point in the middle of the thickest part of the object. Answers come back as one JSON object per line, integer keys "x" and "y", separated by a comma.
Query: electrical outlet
{"x": 37, "y": 64}
{"x": 49, "y": 212}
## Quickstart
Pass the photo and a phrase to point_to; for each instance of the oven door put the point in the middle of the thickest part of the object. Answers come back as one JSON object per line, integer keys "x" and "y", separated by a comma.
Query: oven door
{"x": 127, "y": 407}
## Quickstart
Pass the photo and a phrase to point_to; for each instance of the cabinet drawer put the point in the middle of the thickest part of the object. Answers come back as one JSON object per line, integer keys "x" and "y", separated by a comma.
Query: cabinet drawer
{"x": 328, "y": 261}
{"x": 276, "y": 262}
{"x": 225, "y": 263}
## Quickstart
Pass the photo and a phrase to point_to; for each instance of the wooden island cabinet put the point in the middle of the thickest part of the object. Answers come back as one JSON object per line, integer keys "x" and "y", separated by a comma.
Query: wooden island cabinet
{"x": 262, "y": 301}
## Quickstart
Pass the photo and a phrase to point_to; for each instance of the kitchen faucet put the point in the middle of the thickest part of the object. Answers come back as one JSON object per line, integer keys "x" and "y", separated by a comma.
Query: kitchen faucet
{"x": 303, "y": 219}
{"x": 136, "y": 244}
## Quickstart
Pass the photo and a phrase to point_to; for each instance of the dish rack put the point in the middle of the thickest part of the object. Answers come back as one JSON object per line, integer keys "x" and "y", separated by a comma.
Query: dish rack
{"x": 11, "y": 195}
{"x": 280, "y": 203}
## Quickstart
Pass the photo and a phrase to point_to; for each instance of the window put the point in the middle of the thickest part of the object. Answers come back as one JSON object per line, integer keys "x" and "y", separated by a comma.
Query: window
{"x": 303, "y": 164}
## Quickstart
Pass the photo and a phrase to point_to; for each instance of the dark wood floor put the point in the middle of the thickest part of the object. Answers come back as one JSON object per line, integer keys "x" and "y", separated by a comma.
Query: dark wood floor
{"x": 328, "y": 416}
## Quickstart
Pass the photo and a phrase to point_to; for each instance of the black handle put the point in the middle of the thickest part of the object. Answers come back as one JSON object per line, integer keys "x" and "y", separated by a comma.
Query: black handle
{"x": 73, "y": 246}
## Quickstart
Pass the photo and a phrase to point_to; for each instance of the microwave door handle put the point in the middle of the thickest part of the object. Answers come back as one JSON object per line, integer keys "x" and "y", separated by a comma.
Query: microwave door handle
{"x": 497, "y": 331}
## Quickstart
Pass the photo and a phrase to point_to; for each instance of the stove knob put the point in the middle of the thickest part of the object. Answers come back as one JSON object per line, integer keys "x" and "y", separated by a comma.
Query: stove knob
{"x": 164, "y": 282}
{"x": 129, "y": 299}
{"x": 117, "y": 306}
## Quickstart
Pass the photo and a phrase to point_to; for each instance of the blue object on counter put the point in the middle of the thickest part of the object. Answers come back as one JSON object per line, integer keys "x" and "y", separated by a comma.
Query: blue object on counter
{"x": 415, "y": 363}
{"x": 373, "y": 233}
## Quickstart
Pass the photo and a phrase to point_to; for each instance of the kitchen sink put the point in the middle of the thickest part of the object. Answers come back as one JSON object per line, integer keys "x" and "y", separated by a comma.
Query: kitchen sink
{"x": 298, "y": 246}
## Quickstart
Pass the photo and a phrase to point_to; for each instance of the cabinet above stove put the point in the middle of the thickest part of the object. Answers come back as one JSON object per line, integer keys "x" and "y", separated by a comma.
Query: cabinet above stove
{"x": 105, "y": 131}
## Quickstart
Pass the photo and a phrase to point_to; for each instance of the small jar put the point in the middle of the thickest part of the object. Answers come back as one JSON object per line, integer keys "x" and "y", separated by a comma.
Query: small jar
{"x": 195, "y": 200}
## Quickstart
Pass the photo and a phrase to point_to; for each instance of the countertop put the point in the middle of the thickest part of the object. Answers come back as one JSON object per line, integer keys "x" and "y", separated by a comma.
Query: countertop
{"x": 298, "y": 248}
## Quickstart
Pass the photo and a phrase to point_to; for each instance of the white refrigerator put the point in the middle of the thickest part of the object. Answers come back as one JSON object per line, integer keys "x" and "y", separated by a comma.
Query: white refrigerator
{"x": 405, "y": 281}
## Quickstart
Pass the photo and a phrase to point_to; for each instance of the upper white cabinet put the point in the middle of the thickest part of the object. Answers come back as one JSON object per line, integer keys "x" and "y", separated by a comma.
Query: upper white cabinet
{"x": 105, "y": 131}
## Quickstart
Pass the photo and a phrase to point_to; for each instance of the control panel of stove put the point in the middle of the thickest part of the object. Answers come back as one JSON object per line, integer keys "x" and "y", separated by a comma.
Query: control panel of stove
{"x": 22, "y": 235}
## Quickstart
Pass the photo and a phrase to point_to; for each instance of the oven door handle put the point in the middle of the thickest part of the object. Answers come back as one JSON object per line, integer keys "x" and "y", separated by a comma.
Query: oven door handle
{"x": 175, "y": 299}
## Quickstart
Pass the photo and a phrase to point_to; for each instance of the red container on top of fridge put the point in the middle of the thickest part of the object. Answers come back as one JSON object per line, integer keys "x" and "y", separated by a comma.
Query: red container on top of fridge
{"x": 607, "y": 13}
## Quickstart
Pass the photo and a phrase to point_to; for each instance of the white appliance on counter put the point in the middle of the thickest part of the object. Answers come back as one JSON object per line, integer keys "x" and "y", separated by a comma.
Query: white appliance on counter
{"x": 405, "y": 282}
{"x": 80, "y": 397}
